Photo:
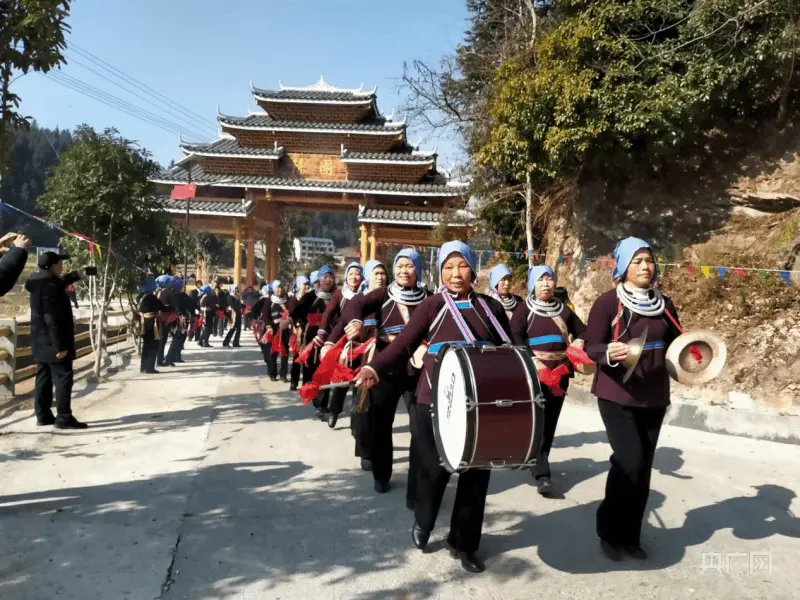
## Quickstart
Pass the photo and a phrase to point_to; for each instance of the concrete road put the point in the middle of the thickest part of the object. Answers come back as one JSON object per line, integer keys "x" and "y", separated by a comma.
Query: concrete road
{"x": 211, "y": 482}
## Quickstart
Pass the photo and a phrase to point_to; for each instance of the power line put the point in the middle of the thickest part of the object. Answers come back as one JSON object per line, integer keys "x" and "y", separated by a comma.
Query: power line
{"x": 133, "y": 81}
{"x": 173, "y": 112}
{"x": 111, "y": 101}
{"x": 121, "y": 104}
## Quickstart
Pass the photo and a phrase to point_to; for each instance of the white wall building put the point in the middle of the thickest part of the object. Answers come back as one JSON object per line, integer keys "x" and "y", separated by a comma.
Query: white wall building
{"x": 308, "y": 248}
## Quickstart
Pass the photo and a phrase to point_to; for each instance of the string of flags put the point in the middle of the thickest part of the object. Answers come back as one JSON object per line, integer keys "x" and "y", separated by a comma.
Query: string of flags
{"x": 606, "y": 263}
{"x": 93, "y": 245}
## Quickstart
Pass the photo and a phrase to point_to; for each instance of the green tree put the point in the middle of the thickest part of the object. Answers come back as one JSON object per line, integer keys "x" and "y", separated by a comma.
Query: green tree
{"x": 31, "y": 39}
{"x": 101, "y": 189}
{"x": 32, "y": 153}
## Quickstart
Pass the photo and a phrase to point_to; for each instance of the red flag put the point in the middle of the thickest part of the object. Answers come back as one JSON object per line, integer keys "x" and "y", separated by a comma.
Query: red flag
{"x": 690, "y": 268}
{"x": 739, "y": 272}
{"x": 183, "y": 192}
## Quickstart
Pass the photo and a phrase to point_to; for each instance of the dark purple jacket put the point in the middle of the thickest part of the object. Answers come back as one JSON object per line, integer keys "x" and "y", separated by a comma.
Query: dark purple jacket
{"x": 649, "y": 386}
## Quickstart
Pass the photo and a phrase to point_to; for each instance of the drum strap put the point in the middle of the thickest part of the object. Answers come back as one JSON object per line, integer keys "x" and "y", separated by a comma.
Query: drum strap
{"x": 466, "y": 332}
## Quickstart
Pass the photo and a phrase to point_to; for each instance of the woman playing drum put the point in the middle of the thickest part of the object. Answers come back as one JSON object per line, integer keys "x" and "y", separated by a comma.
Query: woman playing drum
{"x": 632, "y": 411}
{"x": 353, "y": 276}
{"x": 374, "y": 278}
{"x": 500, "y": 280}
{"x": 393, "y": 307}
{"x": 546, "y": 327}
{"x": 454, "y": 316}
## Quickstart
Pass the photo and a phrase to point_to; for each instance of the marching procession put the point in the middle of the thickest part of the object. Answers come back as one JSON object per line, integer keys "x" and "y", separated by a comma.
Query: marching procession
{"x": 483, "y": 375}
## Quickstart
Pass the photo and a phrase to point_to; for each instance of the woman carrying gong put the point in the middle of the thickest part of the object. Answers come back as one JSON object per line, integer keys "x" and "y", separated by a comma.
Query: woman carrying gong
{"x": 457, "y": 315}
{"x": 633, "y": 320}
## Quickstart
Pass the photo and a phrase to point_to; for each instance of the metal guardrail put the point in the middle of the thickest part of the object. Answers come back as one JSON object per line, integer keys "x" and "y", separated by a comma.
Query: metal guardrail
{"x": 16, "y": 353}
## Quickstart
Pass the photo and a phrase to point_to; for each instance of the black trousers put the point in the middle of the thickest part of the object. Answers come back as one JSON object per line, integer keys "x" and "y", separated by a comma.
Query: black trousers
{"x": 362, "y": 433}
{"x": 265, "y": 353}
{"x": 295, "y": 372}
{"x": 466, "y": 521}
{"x": 550, "y": 413}
{"x": 49, "y": 375}
{"x": 383, "y": 399}
{"x": 235, "y": 332}
{"x": 633, "y": 435}
{"x": 162, "y": 343}
{"x": 208, "y": 325}
{"x": 174, "y": 352}
{"x": 149, "y": 353}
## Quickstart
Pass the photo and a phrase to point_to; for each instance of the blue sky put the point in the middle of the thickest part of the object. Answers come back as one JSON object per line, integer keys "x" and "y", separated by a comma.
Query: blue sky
{"x": 203, "y": 54}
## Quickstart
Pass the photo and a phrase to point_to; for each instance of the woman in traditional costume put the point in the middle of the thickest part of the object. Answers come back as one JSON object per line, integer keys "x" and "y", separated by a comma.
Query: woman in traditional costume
{"x": 500, "y": 280}
{"x": 547, "y": 327}
{"x": 632, "y": 410}
{"x": 308, "y": 314}
{"x": 390, "y": 308}
{"x": 301, "y": 287}
{"x": 457, "y": 315}
{"x": 353, "y": 277}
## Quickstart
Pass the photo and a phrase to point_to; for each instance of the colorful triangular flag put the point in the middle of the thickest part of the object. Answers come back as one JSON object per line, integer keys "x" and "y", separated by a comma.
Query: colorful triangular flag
{"x": 722, "y": 272}
{"x": 690, "y": 268}
{"x": 706, "y": 271}
{"x": 739, "y": 271}
{"x": 786, "y": 276}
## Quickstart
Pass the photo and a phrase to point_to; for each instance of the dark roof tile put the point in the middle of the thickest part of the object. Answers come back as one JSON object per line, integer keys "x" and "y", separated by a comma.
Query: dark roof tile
{"x": 228, "y": 146}
{"x": 265, "y": 122}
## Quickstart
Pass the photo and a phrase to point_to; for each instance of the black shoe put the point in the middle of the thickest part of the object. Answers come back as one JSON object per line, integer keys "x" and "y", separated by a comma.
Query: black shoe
{"x": 410, "y": 505}
{"x": 419, "y": 536}
{"x": 224, "y": 345}
{"x": 273, "y": 379}
{"x": 544, "y": 486}
{"x": 152, "y": 372}
{"x": 611, "y": 551}
{"x": 469, "y": 561}
{"x": 332, "y": 418}
{"x": 635, "y": 552}
{"x": 236, "y": 346}
{"x": 366, "y": 464}
{"x": 169, "y": 364}
{"x": 381, "y": 486}
{"x": 293, "y": 387}
{"x": 69, "y": 423}
{"x": 284, "y": 379}
{"x": 46, "y": 419}
{"x": 180, "y": 360}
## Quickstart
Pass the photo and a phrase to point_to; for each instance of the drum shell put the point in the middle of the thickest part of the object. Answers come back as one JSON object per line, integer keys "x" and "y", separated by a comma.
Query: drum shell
{"x": 505, "y": 423}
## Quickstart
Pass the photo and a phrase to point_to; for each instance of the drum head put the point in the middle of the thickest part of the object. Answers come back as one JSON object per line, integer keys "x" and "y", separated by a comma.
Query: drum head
{"x": 450, "y": 409}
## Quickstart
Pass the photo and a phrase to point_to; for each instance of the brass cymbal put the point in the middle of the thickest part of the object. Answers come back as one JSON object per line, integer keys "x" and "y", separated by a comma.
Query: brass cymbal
{"x": 696, "y": 357}
{"x": 635, "y": 350}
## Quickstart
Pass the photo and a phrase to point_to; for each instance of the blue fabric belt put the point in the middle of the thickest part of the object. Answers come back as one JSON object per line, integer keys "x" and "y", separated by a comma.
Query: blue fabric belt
{"x": 370, "y": 322}
{"x": 545, "y": 339}
{"x": 436, "y": 348}
{"x": 463, "y": 304}
{"x": 653, "y": 346}
{"x": 395, "y": 329}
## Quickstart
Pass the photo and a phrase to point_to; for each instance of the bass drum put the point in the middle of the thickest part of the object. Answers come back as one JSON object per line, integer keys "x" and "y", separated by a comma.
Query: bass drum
{"x": 486, "y": 408}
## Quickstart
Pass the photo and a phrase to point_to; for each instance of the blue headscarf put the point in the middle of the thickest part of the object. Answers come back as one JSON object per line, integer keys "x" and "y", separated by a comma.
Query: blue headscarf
{"x": 275, "y": 284}
{"x": 497, "y": 274}
{"x": 414, "y": 257}
{"x": 369, "y": 267}
{"x": 177, "y": 283}
{"x": 535, "y": 274}
{"x": 326, "y": 270}
{"x": 164, "y": 281}
{"x": 266, "y": 290}
{"x": 206, "y": 289}
{"x": 148, "y": 286}
{"x": 354, "y": 265}
{"x": 299, "y": 282}
{"x": 456, "y": 247}
{"x": 623, "y": 255}
{"x": 314, "y": 278}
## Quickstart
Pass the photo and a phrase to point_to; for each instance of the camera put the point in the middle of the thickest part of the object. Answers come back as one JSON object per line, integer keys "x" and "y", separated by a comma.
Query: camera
{"x": 90, "y": 271}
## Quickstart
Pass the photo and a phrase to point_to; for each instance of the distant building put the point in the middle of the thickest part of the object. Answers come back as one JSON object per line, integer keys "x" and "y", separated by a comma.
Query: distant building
{"x": 307, "y": 249}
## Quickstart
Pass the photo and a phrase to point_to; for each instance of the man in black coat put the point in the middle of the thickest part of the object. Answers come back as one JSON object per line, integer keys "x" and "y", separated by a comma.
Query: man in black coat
{"x": 53, "y": 341}
{"x": 13, "y": 262}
